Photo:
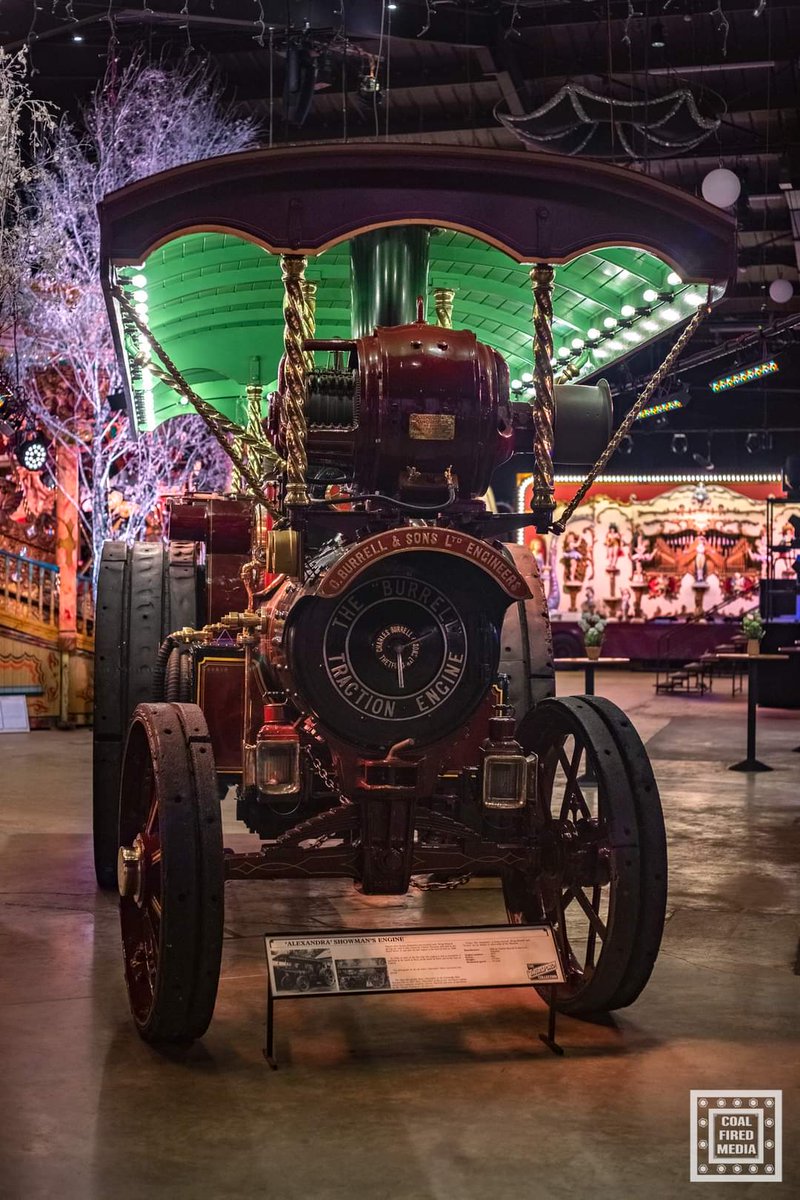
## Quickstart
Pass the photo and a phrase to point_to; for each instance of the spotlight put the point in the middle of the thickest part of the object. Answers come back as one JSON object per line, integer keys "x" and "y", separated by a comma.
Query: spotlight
{"x": 680, "y": 443}
{"x": 703, "y": 461}
{"x": 31, "y": 450}
{"x": 657, "y": 40}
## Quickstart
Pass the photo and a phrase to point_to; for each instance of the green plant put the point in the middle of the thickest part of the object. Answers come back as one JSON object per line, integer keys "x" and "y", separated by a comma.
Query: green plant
{"x": 753, "y": 626}
{"x": 593, "y": 626}
{"x": 592, "y": 636}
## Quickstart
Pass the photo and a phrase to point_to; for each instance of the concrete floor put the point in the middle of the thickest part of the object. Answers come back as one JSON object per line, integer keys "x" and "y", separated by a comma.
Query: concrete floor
{"x": 441, "y": 1096}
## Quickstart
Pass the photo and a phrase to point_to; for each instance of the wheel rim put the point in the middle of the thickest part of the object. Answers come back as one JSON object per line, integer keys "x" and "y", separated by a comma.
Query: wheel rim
{"x": 170, "y": 872}
{"x": 576, "y": 889}
{"x": 586, "y": 880}
{"x": 141, "y": 897}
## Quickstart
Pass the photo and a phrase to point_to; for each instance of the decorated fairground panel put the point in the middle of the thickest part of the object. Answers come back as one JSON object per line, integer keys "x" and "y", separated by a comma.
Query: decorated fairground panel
{"x": 649, "y": 547}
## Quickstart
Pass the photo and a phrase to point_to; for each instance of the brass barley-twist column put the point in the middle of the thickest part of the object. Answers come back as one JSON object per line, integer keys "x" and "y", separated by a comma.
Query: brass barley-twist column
{"x": 544, "y": 403}
{"x": 310, "y": 318}
{"x": 295, "y": 364}
{"x": 254, "y": 393}
{"x": 443, "y": 299}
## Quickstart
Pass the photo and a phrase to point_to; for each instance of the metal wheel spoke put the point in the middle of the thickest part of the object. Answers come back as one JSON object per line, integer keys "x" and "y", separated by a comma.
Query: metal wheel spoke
{"x": 570, "y": 770}
{"x": 591, "y": 941}
{"x": 152, "y": 816}
{"x": 593, "y": 916}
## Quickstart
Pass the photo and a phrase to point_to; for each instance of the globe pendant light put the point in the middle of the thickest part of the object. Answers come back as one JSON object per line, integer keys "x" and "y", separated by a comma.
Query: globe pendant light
{"x": 781, "y": 291}
{"x": 721, "y": 187}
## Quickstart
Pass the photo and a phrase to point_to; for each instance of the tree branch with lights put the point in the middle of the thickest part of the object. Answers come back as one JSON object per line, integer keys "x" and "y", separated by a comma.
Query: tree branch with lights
{"x": 144, "y": 118}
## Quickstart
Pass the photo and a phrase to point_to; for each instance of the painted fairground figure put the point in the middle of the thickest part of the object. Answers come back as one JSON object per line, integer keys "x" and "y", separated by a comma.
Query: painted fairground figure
{"x": 613, "y": 544}
{"x": 372, "y": 671}
{"x": 573, "y": 557}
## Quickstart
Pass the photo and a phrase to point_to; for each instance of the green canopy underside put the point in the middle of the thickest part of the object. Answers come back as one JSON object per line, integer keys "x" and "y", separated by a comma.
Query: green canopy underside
{"x": 214, "y": 301}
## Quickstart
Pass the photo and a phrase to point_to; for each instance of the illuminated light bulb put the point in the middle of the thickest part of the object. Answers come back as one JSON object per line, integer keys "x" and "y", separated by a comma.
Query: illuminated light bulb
{"x": 693, "y": 298}
{"x": 615, "y": 345}
{"x": 650, "y": 296}
{"x": 650, "y": 326}
{"x": 670, "y": 314}
{"x": 628, "y": 310}
{"x": 139, "y": 281}
{"x": 577, "y": 343}
{"x": 184, "y": 400}
{"x": 674, "y": 280}
{"x": 140, "y": 295}
{"x": 530, "y": 393}
{"x": 516, "y": 385}
{"x": 593, "y": 334}
{"x": 609, "y": 322}
{"x": 527, "y": 377}
{"x": 631, "y": 335}
{"x": 563, "y": 352}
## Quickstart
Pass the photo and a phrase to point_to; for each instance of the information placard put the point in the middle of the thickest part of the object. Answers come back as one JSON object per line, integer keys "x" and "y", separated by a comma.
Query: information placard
{"x": 392, "y": 960}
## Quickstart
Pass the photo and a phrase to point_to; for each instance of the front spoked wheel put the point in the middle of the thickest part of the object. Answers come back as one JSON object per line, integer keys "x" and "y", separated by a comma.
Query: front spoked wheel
{"x": 170, "y": 872}
{"x": 601, "y": 879}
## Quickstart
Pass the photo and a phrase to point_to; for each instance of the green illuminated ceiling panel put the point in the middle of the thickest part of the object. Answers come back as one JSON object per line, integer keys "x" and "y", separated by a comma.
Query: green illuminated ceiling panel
{"x": 214, "y": 301}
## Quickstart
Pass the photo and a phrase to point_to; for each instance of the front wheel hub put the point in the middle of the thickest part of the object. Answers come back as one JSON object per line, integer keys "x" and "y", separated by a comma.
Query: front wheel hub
{"x": 130, "y": 864}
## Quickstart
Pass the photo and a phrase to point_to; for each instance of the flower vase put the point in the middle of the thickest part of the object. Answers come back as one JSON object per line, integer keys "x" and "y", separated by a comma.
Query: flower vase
{"x": 753, "y": 645}
{"x": 593, "y": 652}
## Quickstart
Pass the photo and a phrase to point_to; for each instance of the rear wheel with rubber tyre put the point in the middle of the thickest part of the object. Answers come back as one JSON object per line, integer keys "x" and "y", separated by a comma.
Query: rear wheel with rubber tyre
{"x": 602, "y": 877}
{"x": 144, "y": 592}
{"x": 170, "y": 872}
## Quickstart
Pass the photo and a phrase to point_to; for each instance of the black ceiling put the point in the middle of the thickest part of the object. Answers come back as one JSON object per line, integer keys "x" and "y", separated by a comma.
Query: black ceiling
{"x": 446, "y": 66}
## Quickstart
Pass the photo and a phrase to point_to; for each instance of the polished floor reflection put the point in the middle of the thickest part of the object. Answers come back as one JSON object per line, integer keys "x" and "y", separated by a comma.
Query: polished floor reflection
{"x": 427, "y": 1096}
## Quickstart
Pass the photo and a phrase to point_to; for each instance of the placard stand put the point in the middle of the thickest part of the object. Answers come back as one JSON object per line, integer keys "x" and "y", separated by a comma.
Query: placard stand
{"x": 307, "y": 973}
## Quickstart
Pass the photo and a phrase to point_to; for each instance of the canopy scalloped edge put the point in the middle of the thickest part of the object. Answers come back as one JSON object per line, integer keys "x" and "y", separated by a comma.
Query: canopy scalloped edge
{"x": 535, "y": 207}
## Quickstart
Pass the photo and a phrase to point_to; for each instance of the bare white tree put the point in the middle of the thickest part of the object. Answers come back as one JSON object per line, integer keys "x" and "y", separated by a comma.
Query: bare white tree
{"x": 24, "y": 121}
{"x": 142, "y": 120}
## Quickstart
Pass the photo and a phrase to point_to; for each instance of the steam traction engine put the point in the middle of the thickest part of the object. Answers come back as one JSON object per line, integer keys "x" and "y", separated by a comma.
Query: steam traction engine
{"x": 362, "y": 650}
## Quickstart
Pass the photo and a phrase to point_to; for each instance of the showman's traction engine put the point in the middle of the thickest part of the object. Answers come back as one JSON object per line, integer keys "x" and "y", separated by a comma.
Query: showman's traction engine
{"x": 359, "y": 646}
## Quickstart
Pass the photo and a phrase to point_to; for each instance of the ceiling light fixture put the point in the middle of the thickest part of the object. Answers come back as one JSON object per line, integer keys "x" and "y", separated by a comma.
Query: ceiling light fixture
{"x": 657, "y": 39}
{"x": 745, "y": 375}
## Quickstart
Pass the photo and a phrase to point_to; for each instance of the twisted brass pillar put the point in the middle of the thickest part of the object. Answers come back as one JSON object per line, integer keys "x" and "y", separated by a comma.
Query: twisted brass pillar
{"x": 443, "y": 299}
{"x": 310, "y": 319}
{"x": 544, "y": 403}
{"x": 295, "y": 364}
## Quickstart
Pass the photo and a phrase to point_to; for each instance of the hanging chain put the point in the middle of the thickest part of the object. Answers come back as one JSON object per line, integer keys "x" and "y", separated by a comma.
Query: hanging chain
{"x": 218, "y": 425}
{"x": 702, "y": 312}
{"x": 448, "y": 885}
{"x": 326, "y": 777}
